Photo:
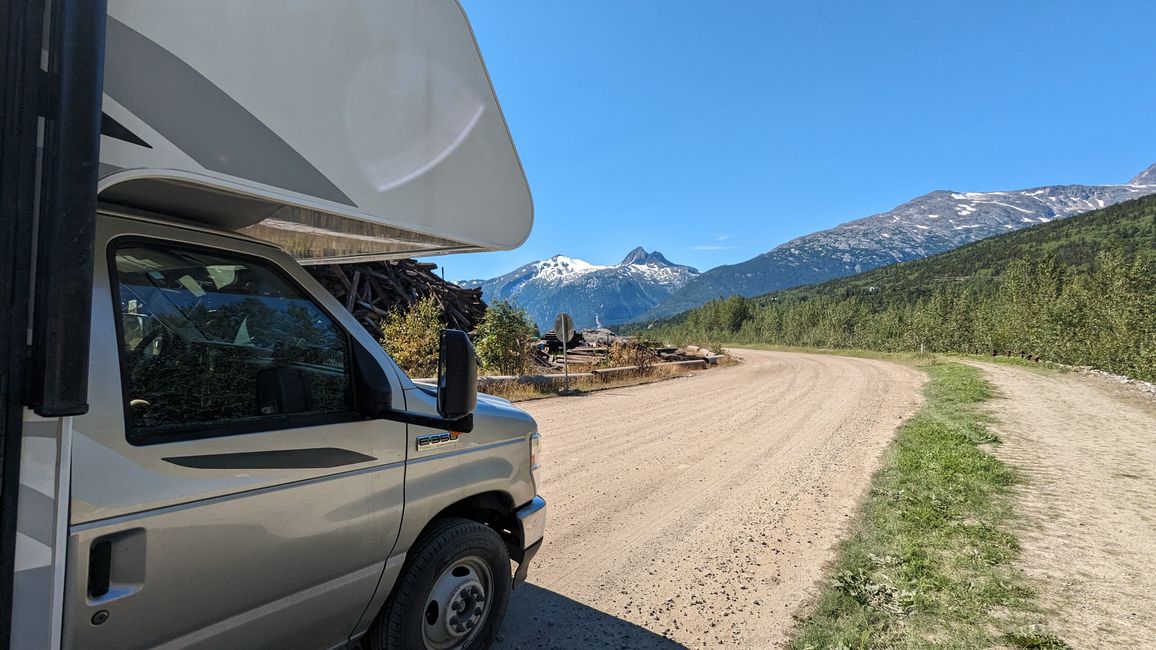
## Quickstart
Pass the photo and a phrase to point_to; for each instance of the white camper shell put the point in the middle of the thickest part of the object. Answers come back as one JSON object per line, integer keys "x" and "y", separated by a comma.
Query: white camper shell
{"x": 348, "y": 131}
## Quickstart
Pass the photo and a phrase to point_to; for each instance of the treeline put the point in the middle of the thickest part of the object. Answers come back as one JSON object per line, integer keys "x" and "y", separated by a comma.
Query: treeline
{"x": 1100, "y": 314}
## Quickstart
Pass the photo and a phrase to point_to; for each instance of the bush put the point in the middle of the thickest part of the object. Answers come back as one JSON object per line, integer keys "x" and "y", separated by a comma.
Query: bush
{"x": 629, "y": 353}
{"x": 503, "y": 338}
{"x": 412, "y": 336}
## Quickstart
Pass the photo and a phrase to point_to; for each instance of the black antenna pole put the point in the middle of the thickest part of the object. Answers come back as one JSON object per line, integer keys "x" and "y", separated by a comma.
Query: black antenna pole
{"x": 21, "y": 88}
{"x": 67, "y": 219}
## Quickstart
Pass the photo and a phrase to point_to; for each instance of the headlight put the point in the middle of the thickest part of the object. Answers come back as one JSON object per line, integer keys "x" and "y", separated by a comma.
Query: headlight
{"x": 535, "y": 470}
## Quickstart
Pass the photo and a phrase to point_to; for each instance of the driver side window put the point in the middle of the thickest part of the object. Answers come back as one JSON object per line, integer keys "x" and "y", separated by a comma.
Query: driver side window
{"x": 214, "y": 343}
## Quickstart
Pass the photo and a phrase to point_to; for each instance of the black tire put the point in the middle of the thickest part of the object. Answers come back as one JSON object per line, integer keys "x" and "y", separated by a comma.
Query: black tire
{"x": 402, "y": 624}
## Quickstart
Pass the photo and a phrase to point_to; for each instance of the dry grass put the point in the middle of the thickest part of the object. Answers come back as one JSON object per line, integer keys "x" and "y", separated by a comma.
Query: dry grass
{"x": 520, "y": 391}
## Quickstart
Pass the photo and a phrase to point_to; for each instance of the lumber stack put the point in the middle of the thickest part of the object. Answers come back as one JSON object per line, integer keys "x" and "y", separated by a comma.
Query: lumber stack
{"x": 590, "y": 349}
{"x": 370, "y": 290}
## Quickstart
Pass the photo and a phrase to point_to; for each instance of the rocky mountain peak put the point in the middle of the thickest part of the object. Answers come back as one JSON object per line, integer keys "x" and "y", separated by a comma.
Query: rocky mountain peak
{"x": 635, "y": 256}
{"x": 1146, "y": 177}
{"x": 641, "y": 257}
{"x": 593, "y": 295}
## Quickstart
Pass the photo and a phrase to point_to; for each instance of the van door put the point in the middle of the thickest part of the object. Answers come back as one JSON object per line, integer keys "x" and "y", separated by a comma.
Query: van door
{"x": 226, "y": 492}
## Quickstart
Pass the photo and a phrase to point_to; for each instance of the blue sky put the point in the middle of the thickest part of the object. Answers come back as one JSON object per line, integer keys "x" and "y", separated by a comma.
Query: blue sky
{"x": 714, "y": 131}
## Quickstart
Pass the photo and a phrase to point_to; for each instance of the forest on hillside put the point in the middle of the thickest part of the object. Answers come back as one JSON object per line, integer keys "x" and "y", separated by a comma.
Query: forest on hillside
{"x": 1079, "y": 292}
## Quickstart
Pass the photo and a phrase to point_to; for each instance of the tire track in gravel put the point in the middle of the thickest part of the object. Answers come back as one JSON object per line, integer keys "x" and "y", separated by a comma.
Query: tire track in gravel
{"x": 701, "y": 511}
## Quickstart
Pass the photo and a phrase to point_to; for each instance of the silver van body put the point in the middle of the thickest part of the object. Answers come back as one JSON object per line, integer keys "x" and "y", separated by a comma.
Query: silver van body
{"x": 214, "y": 544}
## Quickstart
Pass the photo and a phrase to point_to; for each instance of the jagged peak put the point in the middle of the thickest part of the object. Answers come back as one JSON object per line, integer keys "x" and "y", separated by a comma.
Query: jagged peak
{"x": 641, "y": 257}
{"x": 1146, "y": 177}
{"x": 634, "y": 256}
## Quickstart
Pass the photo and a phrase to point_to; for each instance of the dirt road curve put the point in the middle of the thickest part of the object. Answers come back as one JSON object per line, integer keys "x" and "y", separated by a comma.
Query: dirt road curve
{"x": 700, "y": 512}
{"x": 1087, "y": 450}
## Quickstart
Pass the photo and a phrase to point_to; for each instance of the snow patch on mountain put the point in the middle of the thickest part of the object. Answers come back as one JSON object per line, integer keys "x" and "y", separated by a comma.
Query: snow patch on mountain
{"x": 593, "y": 294}
{"x": 926, "y": 225}
{"x": 563, "y": 269}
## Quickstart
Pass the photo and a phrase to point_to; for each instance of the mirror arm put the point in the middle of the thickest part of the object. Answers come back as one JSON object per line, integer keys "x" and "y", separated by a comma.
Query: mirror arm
{"x": 461, "y": 425}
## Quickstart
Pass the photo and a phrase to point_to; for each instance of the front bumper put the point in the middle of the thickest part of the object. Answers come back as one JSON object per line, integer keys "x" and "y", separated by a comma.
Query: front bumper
{"x": 532, "y": 518}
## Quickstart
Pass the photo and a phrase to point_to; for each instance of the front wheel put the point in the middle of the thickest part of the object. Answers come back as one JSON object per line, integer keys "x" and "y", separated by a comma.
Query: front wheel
{"x": 452, "y": 593}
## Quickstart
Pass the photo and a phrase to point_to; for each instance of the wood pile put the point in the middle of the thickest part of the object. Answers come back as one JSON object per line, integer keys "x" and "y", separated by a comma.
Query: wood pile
{"x": 590, "y": 349}
{"x": 370, "y": 290}
{"x": 550, "y": 338}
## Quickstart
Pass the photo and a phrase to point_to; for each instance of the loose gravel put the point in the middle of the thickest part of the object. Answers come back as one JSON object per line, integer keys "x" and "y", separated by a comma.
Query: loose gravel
{"x": 701, "y": 512}
{"x": 1087, "y": 450}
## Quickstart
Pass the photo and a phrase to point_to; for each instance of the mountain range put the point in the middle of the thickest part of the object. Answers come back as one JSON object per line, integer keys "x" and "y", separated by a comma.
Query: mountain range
{"x": 1128, "y": 227}
{"x": 593, "y": 295}
{"x": 647, "y": 286}
{"x": 924, "y": 226}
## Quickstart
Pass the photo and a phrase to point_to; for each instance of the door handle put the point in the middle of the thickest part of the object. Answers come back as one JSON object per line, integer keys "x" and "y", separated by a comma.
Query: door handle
{"x": 116, "y": 566}
{"x": 99, "y": 568}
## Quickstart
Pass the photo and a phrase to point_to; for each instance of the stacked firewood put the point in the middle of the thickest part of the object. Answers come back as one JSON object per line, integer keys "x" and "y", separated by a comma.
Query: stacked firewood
{"x": 370, "y": 290}
{"x": 592, "y": 347}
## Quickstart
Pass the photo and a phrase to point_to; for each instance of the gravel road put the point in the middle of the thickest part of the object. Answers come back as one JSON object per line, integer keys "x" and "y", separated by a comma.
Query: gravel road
{"x": 1087, "y": 450}
{"x": 700, "y": 512}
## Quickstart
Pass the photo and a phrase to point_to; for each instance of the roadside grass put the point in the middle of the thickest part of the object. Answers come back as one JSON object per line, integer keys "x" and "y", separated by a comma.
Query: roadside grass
{"x": 908, "y": 358}
{"x": 930, "y": 560}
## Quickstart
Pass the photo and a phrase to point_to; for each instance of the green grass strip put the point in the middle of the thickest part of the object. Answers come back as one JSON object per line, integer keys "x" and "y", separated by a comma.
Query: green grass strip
{"x": 929, "y": 563}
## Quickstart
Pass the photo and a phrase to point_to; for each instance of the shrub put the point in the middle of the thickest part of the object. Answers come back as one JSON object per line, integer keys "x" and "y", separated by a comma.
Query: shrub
{"x": 629, "y": 353}
{"x": 503, "y": 338}
{"x": 412, "y": 336}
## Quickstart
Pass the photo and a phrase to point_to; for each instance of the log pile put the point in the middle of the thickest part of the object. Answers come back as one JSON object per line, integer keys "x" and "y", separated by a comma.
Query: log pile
{"x": 370, "y": 290}
{"x": 590, "y": 349}
{"x": 550, "y": 338}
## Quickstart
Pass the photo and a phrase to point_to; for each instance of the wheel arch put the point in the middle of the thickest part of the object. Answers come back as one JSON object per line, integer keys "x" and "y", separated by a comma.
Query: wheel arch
{"x": 495, "y": 509}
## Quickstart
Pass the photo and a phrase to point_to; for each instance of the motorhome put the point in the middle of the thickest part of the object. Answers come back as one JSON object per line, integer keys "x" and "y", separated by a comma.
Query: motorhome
{"x": 201, "y": 446}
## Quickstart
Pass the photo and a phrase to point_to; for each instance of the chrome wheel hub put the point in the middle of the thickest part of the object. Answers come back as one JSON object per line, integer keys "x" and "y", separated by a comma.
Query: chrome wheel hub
{"x": 458, "y": 604}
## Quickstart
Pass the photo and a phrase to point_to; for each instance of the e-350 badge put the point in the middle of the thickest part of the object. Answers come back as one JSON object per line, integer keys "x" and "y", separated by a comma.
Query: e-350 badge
{"x": 432, "y": 440}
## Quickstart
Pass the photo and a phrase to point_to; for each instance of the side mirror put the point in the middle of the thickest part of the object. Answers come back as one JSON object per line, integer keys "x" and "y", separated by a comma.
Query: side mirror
{"x": 457, "y": 376}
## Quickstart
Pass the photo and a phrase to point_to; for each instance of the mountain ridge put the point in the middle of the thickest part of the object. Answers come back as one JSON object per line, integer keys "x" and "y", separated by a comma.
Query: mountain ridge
{"x": 1129, "y": 226}
{"x": 593, "y": 295}
{"x": 932, "y": 223}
